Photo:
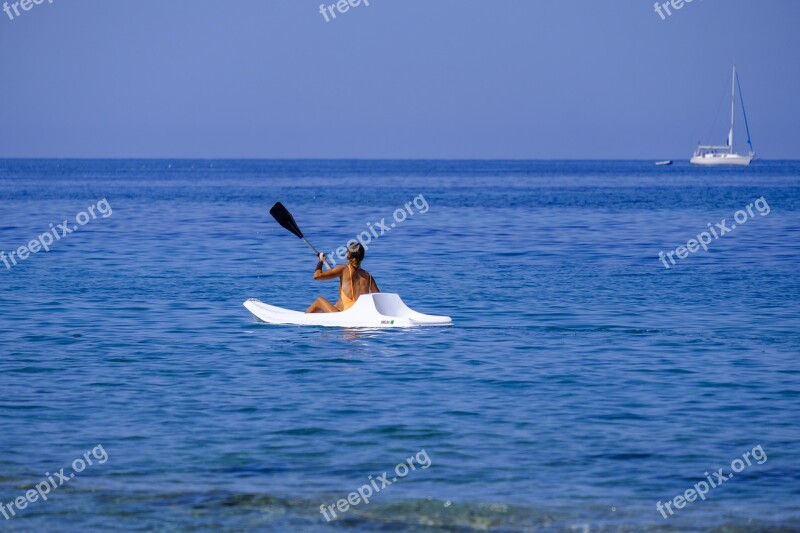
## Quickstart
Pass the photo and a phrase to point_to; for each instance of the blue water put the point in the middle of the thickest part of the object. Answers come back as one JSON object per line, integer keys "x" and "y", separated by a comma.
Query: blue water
{"x": 581, "y": 383}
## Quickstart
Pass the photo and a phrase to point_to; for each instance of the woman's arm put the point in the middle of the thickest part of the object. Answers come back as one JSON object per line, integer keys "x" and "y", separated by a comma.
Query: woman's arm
{"x": 333, "y": 273}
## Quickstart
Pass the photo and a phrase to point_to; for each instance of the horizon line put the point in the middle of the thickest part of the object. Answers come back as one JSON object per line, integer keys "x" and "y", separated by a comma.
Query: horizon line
{"x": 674, "y": 160}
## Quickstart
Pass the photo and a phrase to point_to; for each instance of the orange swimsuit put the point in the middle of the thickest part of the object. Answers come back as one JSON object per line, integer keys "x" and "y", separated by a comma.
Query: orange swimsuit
{"x": 348, "y": 302}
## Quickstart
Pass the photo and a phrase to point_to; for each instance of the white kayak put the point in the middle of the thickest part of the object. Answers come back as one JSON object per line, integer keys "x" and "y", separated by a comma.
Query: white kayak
{"x": 380, "y": 310}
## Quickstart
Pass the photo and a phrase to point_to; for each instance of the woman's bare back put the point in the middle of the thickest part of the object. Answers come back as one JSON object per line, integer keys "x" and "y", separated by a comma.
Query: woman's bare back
{"x": 363, "y": 283}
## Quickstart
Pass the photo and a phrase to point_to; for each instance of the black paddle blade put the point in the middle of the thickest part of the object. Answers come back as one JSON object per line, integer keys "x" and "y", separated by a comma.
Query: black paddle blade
{"x": 285, "y": 219}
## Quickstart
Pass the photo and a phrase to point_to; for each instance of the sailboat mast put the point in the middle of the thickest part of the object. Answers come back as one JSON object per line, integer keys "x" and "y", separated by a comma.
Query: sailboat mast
{"x": 733, "y": 107}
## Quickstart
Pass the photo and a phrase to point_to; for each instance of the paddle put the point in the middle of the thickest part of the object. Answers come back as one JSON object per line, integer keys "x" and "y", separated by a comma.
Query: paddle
{"x": 285, "y": 219}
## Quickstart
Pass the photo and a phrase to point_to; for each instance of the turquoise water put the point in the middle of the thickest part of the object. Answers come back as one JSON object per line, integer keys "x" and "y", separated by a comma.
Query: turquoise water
{"x": 582, "y": 381}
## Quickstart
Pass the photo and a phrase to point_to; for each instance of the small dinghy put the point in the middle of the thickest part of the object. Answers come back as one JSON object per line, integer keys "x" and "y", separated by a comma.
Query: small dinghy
{"x": 663, "y": 163}
{"x": 379, "y": 310}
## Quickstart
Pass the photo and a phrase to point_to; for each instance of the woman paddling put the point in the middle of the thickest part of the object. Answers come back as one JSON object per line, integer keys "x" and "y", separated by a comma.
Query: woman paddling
{"x": 353, "y": 281}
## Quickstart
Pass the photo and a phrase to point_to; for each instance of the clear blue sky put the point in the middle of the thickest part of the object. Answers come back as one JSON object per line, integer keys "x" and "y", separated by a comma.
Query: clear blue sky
{"x": 398, "y": 79}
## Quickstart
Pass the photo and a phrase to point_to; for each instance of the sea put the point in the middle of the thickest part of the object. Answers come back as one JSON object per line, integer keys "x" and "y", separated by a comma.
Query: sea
{"x": 608, "y": 356}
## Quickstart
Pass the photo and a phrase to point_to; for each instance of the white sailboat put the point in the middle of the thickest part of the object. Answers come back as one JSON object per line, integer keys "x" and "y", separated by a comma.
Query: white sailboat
{"x": 725, "y": 155}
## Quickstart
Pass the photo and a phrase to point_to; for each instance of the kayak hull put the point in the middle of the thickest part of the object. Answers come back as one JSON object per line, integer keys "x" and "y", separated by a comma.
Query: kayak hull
{"x": 380, "y": 310}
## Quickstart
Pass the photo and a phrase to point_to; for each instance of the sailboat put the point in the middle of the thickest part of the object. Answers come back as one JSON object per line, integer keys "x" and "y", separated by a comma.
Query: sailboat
{"x": 725, "y": 155}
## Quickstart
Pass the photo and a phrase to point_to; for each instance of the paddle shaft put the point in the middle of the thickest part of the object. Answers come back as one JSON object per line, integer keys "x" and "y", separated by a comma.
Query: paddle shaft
{"x": 316, "y": 252}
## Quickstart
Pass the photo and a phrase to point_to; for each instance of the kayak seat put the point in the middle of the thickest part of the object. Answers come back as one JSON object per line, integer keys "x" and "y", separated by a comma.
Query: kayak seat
{"x": 386, "y": 304}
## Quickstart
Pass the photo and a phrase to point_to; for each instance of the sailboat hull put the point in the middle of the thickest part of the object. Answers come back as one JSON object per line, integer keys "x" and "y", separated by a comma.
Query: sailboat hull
{"x": 713, "y": 160}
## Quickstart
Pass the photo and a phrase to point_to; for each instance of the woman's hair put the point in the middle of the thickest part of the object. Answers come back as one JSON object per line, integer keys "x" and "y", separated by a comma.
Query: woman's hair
{"x": 356, "y": 252}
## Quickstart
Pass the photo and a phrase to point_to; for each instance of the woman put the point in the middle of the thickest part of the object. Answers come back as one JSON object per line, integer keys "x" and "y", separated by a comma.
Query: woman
{"x": 353, "y": 281}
